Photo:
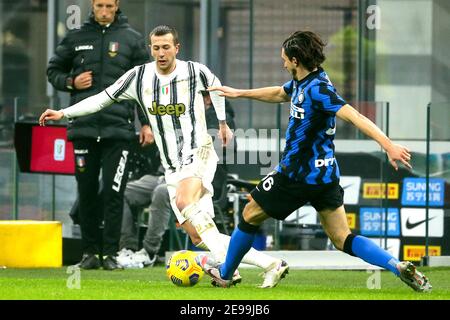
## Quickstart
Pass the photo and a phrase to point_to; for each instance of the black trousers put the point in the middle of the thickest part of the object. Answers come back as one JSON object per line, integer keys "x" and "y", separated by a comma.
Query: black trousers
{"x": 111, "y": 157}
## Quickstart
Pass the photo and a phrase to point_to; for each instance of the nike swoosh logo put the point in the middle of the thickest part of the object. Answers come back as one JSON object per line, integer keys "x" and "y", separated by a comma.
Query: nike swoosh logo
{"x": 347, "y": 186}
{"x": 302, "y": 216}
{"x": 410, "y": 225}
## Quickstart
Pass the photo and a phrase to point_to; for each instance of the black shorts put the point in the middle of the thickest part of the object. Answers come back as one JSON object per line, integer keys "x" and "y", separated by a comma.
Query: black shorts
{"x": 279, "y": 196}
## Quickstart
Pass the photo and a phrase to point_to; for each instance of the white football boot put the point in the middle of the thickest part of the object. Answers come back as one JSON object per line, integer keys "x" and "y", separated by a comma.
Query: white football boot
{"x": 274, "y": 274}
{"x": 211, "y": 268}
{"x": 412, "y": 277}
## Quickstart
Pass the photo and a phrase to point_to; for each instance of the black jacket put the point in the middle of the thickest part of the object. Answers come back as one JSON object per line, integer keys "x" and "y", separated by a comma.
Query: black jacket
{"x": 108, "y": 53}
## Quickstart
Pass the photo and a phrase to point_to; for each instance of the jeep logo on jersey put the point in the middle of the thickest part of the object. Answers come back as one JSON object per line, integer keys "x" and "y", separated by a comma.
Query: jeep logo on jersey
{"x": 297, "y": 112}
{"x": 171, "y": 109}
{"x": 84, "y": 47}
{"x": 324, "y": 162}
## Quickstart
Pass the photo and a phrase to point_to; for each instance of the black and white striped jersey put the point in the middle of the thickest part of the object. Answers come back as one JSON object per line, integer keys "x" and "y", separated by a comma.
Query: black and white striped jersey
{"x": 173, "y": 103}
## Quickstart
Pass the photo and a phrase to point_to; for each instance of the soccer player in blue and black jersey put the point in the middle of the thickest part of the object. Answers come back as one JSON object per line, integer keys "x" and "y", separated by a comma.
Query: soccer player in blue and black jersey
{"x": 308, "y": 170}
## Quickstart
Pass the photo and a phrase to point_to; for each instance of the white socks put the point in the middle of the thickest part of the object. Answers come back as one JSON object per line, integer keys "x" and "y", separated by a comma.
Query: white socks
{"x": 253, "y": 256}
{"x": 206, "y": 229}
{"x": 217, "y": 243}
{"x": 202, "y": 246}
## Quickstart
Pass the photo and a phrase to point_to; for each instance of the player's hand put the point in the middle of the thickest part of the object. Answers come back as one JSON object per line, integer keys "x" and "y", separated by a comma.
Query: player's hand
{"x": 225, "y": 91}
{"x": 225, "y": 134}
{"x": 400, "y": 153}
{"x": 83, "y": 80}
{"x": 50, "y": 114}
{"x": 146, "y": 136}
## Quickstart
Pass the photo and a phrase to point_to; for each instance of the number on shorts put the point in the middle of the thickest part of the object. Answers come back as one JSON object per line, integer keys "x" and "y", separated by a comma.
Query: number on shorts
{"x": 189, "y": 160}
{"x": 268, "y": 181}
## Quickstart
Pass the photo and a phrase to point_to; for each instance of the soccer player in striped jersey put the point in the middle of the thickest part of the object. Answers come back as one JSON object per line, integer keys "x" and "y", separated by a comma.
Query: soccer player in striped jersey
{"x": 168, "y": 91}
{"x": 308, "y": 170}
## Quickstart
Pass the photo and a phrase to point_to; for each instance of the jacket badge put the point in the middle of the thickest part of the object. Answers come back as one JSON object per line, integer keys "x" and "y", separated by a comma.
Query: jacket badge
{"x": 113, "y": 49}
{"x": 81, "y": 163}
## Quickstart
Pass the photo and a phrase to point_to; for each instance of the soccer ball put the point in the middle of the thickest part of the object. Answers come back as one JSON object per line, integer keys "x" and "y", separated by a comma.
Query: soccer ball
{"x": 183, "y": 270}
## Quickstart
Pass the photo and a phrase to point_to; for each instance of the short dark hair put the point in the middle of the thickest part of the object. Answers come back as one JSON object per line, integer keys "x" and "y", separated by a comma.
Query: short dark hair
{"x": 165, "y": 29}
{"x": 94, "y": 1}
{"x": 306, "y": 47}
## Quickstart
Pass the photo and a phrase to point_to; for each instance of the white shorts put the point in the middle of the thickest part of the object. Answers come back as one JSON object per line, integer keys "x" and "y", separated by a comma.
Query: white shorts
{"x": 202, "y": 165}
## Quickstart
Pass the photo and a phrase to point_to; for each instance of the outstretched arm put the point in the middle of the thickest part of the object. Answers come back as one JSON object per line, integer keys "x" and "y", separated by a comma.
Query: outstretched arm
{"x": 267, "y": 94}
{"x": 87, "y": 106}
{"x": 122, "y": 89}
{"x": 394, "y": 151}
{"x": 49, "y": 115}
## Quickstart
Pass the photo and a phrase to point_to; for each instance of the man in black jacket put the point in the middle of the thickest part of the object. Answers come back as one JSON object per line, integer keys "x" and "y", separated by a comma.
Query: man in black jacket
{"x": 87, "y": 61}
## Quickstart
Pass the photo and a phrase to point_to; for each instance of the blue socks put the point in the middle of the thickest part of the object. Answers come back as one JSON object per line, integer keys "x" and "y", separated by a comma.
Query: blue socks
{"x": 243, "y": 236}
{"x": 240, "y": 243}
{"x": 367, "y": 250}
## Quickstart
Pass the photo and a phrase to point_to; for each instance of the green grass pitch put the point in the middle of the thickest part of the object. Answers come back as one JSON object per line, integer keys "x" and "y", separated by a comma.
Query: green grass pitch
{"x": 152, "y": 284}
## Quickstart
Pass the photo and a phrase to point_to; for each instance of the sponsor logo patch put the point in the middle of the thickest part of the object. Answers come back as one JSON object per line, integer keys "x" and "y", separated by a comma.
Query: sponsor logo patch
{"x": 378, "y": 190}
{"x": 324, "y": 162}
{"x": 120, "y": 170}
{"x": 414, "y": 222}
{"x": 59, "y": 150}
{"x": 351, "y": 186}
{"x": 414, "y": 192}
{"x": 81, "y": 151}
{"x": 373, "y": 222}
{"x": 415, "y": 253}
{"x": 351, "y": 220}
{"x": 170, "y": 109}
{"x": 84, "y": 47}
{"x": 392, "y": 245}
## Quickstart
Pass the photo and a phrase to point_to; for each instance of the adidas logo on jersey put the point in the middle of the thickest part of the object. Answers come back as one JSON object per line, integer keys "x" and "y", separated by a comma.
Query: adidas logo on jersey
{"x": 324, "y": 162}
{"x": 171, "y": 109}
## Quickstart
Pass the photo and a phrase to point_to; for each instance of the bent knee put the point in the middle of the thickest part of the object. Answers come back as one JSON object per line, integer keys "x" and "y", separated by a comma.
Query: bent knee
{"x": 182, "y": 202}
{"x": 339, "y": 241}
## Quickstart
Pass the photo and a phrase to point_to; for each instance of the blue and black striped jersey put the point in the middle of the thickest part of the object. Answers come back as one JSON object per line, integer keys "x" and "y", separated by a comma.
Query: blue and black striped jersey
{"x": 309, "y": 153}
